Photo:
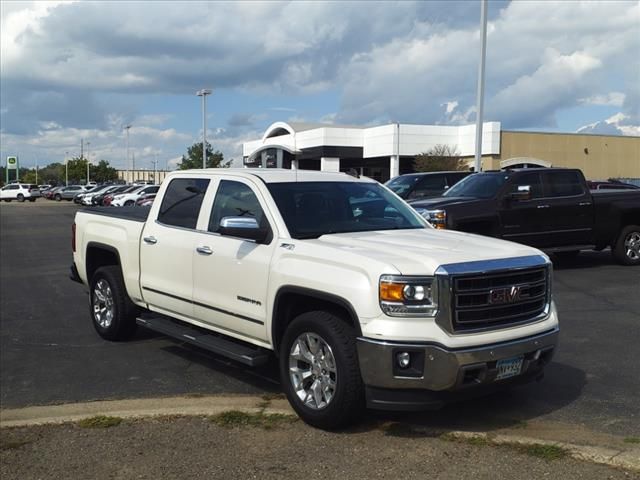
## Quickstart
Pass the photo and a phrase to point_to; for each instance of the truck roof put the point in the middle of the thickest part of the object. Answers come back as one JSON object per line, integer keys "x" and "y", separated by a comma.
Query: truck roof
{"x": 278, "y": 175}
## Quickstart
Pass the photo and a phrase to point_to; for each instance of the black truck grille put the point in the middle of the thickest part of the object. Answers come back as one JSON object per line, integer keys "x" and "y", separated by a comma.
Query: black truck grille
{"x": 484, "y": 301}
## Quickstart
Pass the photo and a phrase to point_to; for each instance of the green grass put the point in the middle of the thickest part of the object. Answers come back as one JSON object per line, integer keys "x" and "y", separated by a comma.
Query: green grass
{"x": 538, "y": 450}
{"x": 632, "y": 440}
{"x": 100, "y": 421}
{"x": 236, "y": 418}
{"x": 546, "y": 452}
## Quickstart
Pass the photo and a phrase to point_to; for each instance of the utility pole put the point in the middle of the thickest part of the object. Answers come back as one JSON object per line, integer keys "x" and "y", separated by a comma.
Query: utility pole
{"x": 82, "y": 148}
{"x": 480, "y": 102}
{"x": 155, "y": 167}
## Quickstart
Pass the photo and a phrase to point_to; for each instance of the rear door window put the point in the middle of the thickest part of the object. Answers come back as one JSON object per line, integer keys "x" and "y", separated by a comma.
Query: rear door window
{"x": 182, "y": 201}
{"x": 563, "y": 184}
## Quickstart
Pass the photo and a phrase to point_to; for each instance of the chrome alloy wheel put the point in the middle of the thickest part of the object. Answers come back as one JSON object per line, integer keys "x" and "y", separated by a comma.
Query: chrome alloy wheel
{"x": 103, "y": 308}
{"x": 312, "y": 369}
{"x": 632, "y": 246}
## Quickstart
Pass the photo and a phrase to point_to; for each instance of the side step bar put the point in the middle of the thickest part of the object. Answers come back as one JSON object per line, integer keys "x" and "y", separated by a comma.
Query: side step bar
{"x": 240, "y": 352}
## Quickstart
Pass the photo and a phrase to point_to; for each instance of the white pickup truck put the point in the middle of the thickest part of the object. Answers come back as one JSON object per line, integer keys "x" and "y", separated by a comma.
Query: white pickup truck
{"x": 360, "y": 299}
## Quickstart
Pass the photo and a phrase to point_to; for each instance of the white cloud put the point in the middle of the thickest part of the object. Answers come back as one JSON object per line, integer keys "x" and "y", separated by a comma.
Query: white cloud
{"x": 612, "y": 99}
{"x": 617, "y": 124}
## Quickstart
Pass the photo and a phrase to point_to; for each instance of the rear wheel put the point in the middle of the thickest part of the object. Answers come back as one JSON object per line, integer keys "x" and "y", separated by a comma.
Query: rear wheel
{"x": 58, "y": 197}
{"x": 20, "y": 197}
{"x": 626, "y": 250}
{"x": 319, "y": 370}
{"x": 112, "y": 312}
{"x": 128, "y": 203}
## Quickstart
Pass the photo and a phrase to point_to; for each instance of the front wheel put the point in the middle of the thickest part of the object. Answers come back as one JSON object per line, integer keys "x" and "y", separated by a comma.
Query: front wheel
{"x": 112, "y": 312}
{"x": 626, "y": 250}
{"x": 20, "y": 197}
{"x": 58, "y": 197}
{"x": 319, "y": 370}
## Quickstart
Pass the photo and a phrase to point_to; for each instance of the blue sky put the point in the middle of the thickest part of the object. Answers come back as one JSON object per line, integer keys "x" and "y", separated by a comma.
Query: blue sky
{"x": 83, "y": 70}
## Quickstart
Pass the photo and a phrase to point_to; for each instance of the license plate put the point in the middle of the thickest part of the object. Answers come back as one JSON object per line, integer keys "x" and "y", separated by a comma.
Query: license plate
{"x": 509, "y": 367}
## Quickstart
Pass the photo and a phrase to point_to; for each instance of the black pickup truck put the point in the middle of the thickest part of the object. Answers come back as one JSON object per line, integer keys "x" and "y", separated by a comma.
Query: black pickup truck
{"x": 548, "y": 208}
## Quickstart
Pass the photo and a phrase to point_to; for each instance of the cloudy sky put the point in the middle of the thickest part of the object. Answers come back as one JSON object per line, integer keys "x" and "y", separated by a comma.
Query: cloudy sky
{"x": 72, "y": 70}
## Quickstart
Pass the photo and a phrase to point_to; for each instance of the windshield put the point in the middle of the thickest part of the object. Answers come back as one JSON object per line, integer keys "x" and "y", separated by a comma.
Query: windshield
{"x": 402, "y": 185}
{"x": 480, "y": 185}
{"x": 312, "y": 209}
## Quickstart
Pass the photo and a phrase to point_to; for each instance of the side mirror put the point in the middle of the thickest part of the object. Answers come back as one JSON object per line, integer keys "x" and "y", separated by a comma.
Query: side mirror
{"x": 243, "y": 227}
{"x": 523, "y": 193}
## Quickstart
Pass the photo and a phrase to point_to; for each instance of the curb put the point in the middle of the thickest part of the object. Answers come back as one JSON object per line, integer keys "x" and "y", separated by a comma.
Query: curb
{"x": 627, "y": 458}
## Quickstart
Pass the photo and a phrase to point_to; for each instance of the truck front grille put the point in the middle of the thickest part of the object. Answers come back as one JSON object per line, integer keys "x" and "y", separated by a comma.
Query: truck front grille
{"x": 496, "y": 300}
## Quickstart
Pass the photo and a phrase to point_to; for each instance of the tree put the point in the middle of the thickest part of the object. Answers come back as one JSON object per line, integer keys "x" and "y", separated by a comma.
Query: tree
{"x": 77, "y": 170}
{"x": 52, "y": 174}
{"x": 439, "y": 158}
{"x": 103, "y": 172}
{"x": 194, "y": 157}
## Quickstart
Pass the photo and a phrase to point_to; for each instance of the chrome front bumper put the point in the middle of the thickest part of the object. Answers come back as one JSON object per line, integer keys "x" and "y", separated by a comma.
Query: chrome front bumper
{"x": 437, "y": 369}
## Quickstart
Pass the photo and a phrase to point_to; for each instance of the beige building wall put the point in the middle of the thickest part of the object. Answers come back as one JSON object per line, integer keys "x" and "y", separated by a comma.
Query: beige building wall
{"x": 130, "y": 176}
{"x": 598, "y": 156}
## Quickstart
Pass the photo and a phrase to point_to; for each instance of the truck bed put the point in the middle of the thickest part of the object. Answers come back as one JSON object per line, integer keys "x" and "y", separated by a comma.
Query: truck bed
{"x": 136, "y": 214}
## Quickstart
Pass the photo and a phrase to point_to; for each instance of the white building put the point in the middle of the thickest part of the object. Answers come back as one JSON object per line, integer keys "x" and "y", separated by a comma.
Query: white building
{"x": 378, "y": 152}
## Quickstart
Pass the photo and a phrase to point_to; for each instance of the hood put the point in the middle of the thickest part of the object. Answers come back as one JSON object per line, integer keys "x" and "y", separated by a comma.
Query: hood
{"x": 439, "y": 202}
{"x": 422, "y": 251}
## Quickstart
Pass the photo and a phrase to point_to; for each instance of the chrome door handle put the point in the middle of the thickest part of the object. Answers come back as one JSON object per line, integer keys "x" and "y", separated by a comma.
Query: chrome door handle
{"x": 584, "y": 204}
{"x": 542, "y": 206}
{"x": 204, "y": 250}
{"x": 150, "y": 240}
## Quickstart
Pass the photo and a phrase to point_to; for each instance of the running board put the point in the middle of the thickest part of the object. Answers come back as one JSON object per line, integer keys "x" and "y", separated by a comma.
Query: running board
{"x": 567, "y": 248}
{"x": 240, "y": 352}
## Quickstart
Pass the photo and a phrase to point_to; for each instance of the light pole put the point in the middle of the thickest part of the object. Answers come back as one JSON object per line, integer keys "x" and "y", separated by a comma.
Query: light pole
{"x": 127, "y": 127}
{"x": 66, "y": 169}
{"x": 480, "y": 99}
{"x": 155, "y": 168}
{"x": 88, "y": 160}
{"x": 203, "y": 93}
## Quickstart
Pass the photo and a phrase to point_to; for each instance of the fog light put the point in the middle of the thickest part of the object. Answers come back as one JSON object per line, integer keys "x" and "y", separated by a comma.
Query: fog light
{"x": 404, "y": 359}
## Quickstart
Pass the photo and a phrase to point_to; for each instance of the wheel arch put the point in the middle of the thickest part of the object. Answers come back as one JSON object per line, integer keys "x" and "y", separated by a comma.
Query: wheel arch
{"x": 99, "y": 255}
{"x": 291, "y": 301}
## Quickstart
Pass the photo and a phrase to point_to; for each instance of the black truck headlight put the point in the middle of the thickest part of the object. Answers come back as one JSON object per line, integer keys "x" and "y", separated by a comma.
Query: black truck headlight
{"x": 407, "y": 296}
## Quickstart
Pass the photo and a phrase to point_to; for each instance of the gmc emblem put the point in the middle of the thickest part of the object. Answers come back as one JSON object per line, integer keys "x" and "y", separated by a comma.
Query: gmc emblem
{"x": 504, "y": 295}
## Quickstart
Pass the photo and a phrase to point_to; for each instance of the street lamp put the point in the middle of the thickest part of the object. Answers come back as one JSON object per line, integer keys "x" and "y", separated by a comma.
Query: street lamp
{"x": 88, "y": 160}
{"x": 203, "y": 93}
{"x": 127, "y": 127}
{"x": 66, "y": 169}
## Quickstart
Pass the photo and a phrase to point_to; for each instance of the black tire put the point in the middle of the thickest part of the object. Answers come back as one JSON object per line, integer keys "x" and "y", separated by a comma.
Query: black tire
{"x": 7, "y": 200}
{"x": 347, "y": 403}
{"x": 20, "y": 197}
{"x": 128, "y": 203}
{"x": 123, "y": 321}
{"x": 58, "y": 197}
{"x": 626, "y": 249}
{"x": 32, "y": 200}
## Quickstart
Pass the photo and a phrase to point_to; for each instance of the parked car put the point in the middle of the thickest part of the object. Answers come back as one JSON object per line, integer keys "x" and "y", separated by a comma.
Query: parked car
{"x": 68, "y": 193}
{"x": 49, "y": 194}
{"x": 88, "y": 189}
{"x": 414, "y": 186}
{"x": 146, "y": 200}
{"x": 128, "y": 199}
{"x": 374, "y": 308}
{"x": 108, "y": 198}
{"x": 88, "y": 198}
{"x": 19, "y": 192}
{"x": 548, "y": 208}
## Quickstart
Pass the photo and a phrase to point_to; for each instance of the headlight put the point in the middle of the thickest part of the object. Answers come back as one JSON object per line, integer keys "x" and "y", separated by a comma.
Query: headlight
{"x": 118, "y": 197}
{"x": 437, "y": 218}
{"x": 403, "y": 296}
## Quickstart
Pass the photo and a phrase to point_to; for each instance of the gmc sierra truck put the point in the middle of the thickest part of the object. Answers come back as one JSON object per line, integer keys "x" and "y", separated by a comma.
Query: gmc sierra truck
{"x": 360, "y": 299}
{"x": 547, "y": 208}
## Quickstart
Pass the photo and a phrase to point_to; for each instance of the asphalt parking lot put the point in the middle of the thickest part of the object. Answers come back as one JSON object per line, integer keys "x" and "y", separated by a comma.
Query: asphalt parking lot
{"x": 49, "y": 352}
